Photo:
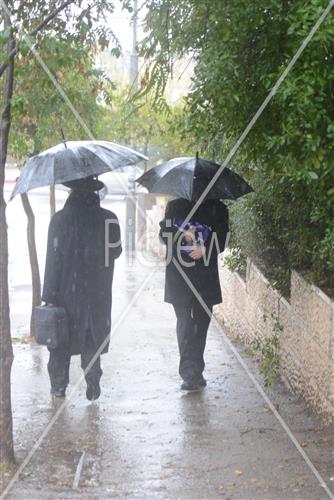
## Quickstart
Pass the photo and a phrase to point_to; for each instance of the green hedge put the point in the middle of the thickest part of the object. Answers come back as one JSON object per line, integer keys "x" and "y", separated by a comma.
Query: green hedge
{"x": 240, "y": 49}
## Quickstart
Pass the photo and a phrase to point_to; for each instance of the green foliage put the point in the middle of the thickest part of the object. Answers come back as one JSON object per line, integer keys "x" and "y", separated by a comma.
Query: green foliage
{"x": 67, "y": 47}
{"x": 240, "y": 50}
{"x": 139, "y": 124}
{"x": 82, "y": 22}
{"x": 39, "y": 110}
{"x": 8, "y": 469}
{"x": 235, "y": 261}
{"x": 4, "y": 35}
{"x": 268, "y": 350}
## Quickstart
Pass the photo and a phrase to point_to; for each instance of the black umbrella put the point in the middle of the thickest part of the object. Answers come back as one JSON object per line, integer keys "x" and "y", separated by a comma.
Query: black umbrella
{"x": 72, "y": 160}
{"x": 188, "y": 177}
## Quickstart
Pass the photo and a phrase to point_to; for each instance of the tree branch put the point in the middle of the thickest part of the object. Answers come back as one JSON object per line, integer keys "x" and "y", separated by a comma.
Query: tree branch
{"x": 34, "y": 32}
{"x": 7, "y": 95}
{"x": 6, "y": 349}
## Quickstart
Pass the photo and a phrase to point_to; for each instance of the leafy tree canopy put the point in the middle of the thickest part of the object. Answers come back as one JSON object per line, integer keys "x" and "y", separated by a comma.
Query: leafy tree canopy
{"x": 83, "y": 21}
{"x": 143, "y": 126}
{"x": 40, "y": 111}
{"x": 240, "y": 50}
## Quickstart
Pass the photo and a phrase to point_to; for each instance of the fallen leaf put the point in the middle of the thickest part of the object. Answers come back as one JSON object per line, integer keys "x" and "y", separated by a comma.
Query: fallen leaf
{"x": 238, "y": 472}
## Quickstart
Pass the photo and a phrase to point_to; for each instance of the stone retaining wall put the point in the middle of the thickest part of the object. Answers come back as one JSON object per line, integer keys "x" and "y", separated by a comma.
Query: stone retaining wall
{"x": 252, "y": 309}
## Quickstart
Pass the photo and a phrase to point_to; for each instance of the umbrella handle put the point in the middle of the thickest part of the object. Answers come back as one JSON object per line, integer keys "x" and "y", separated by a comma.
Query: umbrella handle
{"x": 63, "y": 136}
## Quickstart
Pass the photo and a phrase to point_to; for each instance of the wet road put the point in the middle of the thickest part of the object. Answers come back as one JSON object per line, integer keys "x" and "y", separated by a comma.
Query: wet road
{"x": 144, "y": 438}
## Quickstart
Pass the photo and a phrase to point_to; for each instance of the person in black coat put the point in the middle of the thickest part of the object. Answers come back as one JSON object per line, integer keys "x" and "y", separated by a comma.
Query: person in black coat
{"x": 192, "y": 250}
{"x": 78, "y": 276}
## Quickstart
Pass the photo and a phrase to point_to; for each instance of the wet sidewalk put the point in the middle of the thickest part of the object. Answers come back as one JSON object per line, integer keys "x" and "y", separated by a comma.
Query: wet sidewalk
{"x": 144, "y": 438}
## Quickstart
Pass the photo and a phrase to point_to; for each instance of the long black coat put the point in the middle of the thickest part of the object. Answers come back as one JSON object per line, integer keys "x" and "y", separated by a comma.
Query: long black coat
{"x": 76, "y": 276}
{"x": 204, "y": 276}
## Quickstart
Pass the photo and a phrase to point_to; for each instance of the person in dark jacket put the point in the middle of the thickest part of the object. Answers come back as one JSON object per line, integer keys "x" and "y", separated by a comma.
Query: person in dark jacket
{"x": 83, "y": 242}
{"x": 193, "y": 248}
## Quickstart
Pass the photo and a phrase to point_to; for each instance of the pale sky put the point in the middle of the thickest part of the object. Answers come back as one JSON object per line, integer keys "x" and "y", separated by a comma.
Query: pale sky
{"x": 120, "y": 23}
{"x": 118, "y": 69}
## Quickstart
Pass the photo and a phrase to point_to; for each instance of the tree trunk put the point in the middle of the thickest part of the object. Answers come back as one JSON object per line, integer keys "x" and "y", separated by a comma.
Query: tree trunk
{"x": 6, "y": 350}
{"x": 52, "y": 200}
{"x": 35, "y": 275}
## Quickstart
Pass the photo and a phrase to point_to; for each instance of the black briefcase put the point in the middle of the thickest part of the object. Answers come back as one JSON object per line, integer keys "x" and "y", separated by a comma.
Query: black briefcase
{"x": 51, "y": 326}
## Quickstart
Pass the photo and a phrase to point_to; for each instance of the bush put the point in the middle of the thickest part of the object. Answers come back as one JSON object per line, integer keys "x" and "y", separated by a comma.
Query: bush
{"x": 240, "y": 50}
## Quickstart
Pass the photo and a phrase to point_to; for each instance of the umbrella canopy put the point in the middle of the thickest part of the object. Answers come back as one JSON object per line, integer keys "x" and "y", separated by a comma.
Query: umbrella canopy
{"x": 73, "y": 160}
{"x": 188, "y": 177}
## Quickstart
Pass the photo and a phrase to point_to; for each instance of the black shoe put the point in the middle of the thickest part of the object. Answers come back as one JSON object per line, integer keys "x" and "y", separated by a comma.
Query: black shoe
{"x": 202, "y": 382}
{"x": 58, "y": 392}
{"x": 93, "y": 391}
{"x": 189, "y": 386}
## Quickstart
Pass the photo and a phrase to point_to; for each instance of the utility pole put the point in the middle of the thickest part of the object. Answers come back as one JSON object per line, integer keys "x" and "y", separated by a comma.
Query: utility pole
{"x": 131, "y": 200}
{"x": 134, "y": 54}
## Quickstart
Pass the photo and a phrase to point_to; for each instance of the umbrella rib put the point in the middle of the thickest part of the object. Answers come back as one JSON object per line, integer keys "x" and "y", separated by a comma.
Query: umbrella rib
{"x": 56, "y": 165}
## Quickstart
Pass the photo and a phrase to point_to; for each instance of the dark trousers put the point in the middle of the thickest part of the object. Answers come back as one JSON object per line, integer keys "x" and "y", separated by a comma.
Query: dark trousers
{"x": 59, "y": 365}
{"x": 191, "y": 328}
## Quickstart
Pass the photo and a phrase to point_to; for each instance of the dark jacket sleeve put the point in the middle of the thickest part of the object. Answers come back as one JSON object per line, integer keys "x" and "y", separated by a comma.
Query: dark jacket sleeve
{"x": 114, "y": 234}
{"x": 220, "y": 227}
{"x": 166, "y": 225}
{"x": 53, "y": 264}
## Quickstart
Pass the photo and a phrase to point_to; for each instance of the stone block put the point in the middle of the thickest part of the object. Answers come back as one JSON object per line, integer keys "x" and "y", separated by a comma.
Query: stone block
{"x": 284, "y": 315}
{"x": 315, "y": 366}
{"x": 290, "y": 368}
{"x": 330, "y": 388}
{"x": 314, "y": 308}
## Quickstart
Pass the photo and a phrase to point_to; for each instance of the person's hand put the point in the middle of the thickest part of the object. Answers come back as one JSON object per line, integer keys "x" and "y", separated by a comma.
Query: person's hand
{"x": 198, "y": 252}
{"x": 190, "y": 234}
